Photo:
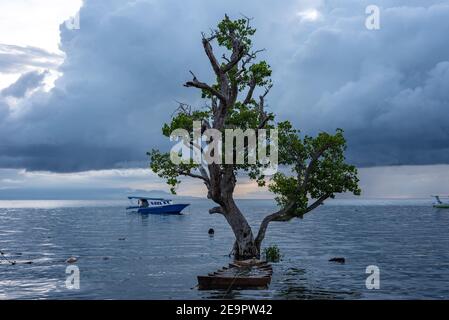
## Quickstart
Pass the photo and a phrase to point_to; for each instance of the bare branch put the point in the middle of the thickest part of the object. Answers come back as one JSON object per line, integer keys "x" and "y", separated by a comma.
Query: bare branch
{"x": 249, "y": 57}
{"x": 204, "y": 86}
{"x": 262, "y": 113}
{"x": 262, "y": 97}
{"x": 238, "y": 53}
{"x": 248, "y": 20}
{"x": 249, "y": 95}
{"x": 183, "y": 108}
{"x": 225, "y": 58}
{"x": 209, "y": 52}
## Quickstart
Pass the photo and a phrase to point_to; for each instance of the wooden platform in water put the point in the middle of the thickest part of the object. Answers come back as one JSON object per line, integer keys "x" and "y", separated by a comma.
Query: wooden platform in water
{"x": 247, "y": 274}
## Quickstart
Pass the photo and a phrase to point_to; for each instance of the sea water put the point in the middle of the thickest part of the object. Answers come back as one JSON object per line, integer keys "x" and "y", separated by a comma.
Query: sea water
{"x": 133, "y": 256}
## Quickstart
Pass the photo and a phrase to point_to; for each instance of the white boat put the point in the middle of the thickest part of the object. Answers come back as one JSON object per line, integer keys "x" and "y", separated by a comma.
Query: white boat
{"x": 440, "y": 204}
{"x": 156, "y": 206}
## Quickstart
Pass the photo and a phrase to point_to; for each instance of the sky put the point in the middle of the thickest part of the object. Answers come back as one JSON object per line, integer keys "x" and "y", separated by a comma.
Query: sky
{"x": 81, "y": 102}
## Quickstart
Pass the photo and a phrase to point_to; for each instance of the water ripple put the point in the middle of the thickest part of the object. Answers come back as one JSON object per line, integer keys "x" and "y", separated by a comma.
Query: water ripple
{"x": 130, "y": 256}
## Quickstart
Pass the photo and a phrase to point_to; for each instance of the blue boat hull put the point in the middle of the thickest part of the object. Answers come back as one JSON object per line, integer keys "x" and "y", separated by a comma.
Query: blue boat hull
{"x": 168, "y": 209}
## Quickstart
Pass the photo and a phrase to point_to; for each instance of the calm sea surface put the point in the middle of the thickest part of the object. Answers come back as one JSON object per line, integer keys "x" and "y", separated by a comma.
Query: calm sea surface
{"x": 131, "y": 256}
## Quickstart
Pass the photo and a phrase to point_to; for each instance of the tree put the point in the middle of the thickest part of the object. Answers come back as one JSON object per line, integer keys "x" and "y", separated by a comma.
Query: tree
{"x": 314, "y": 167}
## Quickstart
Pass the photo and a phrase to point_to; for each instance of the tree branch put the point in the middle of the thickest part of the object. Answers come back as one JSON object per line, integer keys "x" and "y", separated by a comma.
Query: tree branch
{"x": 237, "y": 54}
{"x": 263, "y": 122}
{"x": 204, "y": 173}
{"x": 216, "y": 210}
{"x": 248, "y": 58}
{"x": 311, "y": 165}
{"x": 238, "y": 51}
{"x": 317, "y": 203}
{"x": 282, "y": 215}
{"x": 193, "y": 175}
{"x": 204, "y": 86}
{"x": 262, "y": 97}
{"x": 209, "y": 52}
{"x": 264, "y": 225}
{"x": 249, "y": 95}
{"x": 263, "y": 115}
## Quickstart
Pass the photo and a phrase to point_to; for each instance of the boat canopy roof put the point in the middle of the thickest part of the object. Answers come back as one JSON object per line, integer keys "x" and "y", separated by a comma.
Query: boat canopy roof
{"x": 146, "y": 198}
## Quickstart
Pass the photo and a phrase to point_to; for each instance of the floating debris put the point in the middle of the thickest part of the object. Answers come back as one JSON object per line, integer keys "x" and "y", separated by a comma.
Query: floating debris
{"x": 121, "y": 239}
{"x": 338, "y": 260}
{"x": 211, "y": 232}
{"x": 11, "y": 262}
{"x": 71, "y": 260}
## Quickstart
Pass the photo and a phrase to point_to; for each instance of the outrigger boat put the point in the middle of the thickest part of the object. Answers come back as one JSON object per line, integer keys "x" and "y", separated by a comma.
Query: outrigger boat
{"x": 440, "y": 204}
{"x": 247, "y": 274}
{"x": 155, "y": 206}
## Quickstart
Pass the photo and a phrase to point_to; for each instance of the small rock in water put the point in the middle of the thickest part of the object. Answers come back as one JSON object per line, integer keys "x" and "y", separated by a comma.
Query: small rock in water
{"x": 71, "y": 260}
{"x": 121, "y": 239}
{"x": 338, "y": 260}
{"x": 211, "y": 231}
{"x": 105, "y": 258}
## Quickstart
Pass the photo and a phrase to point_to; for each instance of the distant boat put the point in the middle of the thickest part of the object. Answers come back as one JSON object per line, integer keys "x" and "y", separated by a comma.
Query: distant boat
{"x": 440, "y": 204}
{"x": 155, "y": 206}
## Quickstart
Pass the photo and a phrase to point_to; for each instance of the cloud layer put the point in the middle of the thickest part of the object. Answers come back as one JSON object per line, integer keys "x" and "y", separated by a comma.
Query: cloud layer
{"x": 125, "y": 66}
{"x": 376, "y": 182}
{"x": 15, "y": 59}
{"x": 27, "y": 82}
{"x": 386, "y": 88}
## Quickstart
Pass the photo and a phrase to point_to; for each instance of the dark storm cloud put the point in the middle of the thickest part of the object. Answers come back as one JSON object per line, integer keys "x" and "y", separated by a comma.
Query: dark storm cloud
{"x": 122, "y": 76}
{"x": 125, "y": 66}
{"x": 387, "y": 88}
{"x": 60, "y": 158}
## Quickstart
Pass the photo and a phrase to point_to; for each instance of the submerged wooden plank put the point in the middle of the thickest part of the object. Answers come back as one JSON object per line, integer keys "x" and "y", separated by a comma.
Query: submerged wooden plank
{"x": 228, "y": 283}
{"x": 249, "y": 274}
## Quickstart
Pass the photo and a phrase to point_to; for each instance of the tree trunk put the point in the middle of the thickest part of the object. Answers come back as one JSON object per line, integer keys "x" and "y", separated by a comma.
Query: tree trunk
{"x": 245, "y": 245}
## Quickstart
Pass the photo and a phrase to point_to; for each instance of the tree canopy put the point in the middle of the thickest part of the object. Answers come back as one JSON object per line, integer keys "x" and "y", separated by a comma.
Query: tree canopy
{"x": 312, "y": 169}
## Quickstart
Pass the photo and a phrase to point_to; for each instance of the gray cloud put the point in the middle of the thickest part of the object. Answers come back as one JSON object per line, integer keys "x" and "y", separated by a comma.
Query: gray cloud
{"x": 125, "y": 67}
{"x": 24, "y": 84}
{"x": 4, "y": 108}
{"x": 386, "y": 88}
{"x": 16, "y": 59}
